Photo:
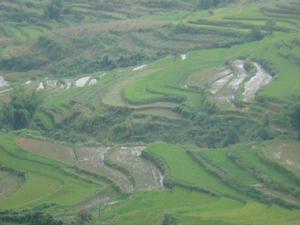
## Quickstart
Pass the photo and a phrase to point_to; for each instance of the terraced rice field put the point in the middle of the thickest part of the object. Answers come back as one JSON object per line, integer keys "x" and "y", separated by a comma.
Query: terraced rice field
{"x": 146, "y": 175}
{"x": 182, "y": 204}
{"x": 9, "y": 184}
{"x": 182, "y": 62}
{"x": 284, "y": 152}
{"x": 45, "y": 182}
{"x": 93, "y": 159}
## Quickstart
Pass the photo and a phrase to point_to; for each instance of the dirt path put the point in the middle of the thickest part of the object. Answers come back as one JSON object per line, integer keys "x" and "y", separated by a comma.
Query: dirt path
{"x": 146, "y": 174}
{"x": 261, "y": 79}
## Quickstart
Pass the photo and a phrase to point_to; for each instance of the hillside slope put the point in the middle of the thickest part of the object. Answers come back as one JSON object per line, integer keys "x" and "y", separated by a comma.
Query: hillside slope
{"x": 149, "y": 112}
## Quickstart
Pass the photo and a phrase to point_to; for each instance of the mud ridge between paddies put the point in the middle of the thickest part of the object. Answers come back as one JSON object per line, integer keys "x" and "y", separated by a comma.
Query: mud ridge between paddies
{"x": 93, "y": 159}
{"x": 110, "y": 26}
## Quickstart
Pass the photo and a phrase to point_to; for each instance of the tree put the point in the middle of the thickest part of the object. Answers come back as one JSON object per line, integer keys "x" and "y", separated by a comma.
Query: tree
{"x": 54, "y": 10}
{"x": 256, "y": 35}
{"x": 168, "y": 220}
{"x": 84, "y": 217}
{"x": 18, "y": 113}
{"x": 270, "y": 25}
{"x": 293, "y": 113}
{"x": 39, "y": 218}
{"x": 204, "y": 4}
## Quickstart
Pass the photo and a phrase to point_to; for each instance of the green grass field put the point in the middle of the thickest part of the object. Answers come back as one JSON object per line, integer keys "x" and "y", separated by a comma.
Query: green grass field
{"x": 191, "y": 207}
{"x": 179, "y": 163}
{"x": 45, "y": 180}
{"x": 224, "y": 161}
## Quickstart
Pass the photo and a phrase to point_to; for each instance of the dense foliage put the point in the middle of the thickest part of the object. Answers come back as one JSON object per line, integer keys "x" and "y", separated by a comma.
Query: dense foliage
{"x": 293, "y": 113}
{"x": 161, "y": 109}
{"x": 20, "y": 110}
{"x": 206, "y": 4}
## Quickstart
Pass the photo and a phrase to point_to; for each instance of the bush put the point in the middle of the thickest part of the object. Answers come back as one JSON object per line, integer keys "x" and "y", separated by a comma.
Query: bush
{"x": 18, "y": 113}
{"x": 206, "y": 4}
{"x": 83, "y": 217}
{"x": 292, "y": 112}
{"x": 54, "y": 10}
{"x": 256, "y": 35}
{"x": 52, "y": 49}
{"x": 22, "y": 63}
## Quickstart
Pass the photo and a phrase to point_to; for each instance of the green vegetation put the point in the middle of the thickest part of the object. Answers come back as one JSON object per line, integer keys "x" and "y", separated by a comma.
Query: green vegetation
{"x": 54, "y": 10}
{"x": 293, "y": 113}
{"x": 46, "y": 181}
{"x": 179, "y": 203}
{"x": 18, "y": 113}
{"x": 205, "y": 4}
{"x": 153, "y": 112}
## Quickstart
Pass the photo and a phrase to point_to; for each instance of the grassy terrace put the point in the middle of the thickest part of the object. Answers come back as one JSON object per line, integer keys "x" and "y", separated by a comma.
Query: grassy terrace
{"x": 233, "y": 165}
{"x": 45, "y": 180}
{"x": 209, "y": 210}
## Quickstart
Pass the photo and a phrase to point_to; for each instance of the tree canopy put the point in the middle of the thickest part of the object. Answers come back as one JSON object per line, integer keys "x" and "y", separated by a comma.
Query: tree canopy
{"x": 206, "y": 4}
{"x": 19, "y": 111}
{"x": 54, "y": 9}
{"x": 293, "y": 113}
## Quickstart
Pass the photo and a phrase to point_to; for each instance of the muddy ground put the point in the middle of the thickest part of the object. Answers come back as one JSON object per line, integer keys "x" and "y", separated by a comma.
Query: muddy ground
{"x": 146, "y": 175}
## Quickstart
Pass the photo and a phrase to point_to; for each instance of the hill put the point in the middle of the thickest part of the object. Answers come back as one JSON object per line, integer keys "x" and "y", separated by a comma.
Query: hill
{"x": 149, "y": 112}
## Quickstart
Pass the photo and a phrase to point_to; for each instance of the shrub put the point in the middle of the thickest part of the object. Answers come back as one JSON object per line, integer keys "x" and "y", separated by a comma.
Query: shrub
{"x": 292, "y": 112}
{"x": 54, "y": 9}
{"x": 18, "y": 113}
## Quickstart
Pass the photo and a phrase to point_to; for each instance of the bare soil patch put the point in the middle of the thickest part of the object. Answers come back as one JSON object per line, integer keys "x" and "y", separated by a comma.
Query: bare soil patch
{"x": 285, "y": 153}
{"x": 49, "y": 149}
{"x": 89, "y": 158}
{"x": 9, "y": 184}
{"x": 146, "y": 174}
{"x": 240, "y": 76}
{"x": 227, "y": 86}
{"x": 261, "y": 79}
{"x": 92, "y": 158}
{"x": 226, "y": 75}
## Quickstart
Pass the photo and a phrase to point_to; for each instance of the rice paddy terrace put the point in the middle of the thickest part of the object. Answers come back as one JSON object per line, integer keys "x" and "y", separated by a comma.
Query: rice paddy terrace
{"x": 153, "y": 112}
